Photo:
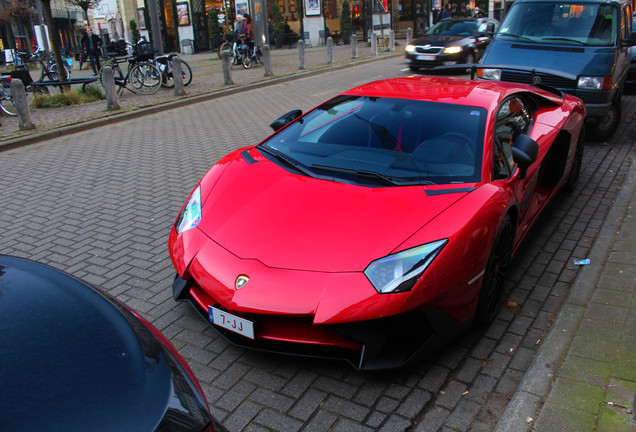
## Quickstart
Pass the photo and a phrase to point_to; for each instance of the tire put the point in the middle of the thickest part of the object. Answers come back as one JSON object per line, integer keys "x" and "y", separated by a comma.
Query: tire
{"x": 603, "y": 129}
{"x": 6, "y": 100}
{"x": 225, "y": 46}
{"x": 246, "y": 61}
{"x": 168, "y": 79}
{"x": 414, "y": 68}
{"x": 575, "y": 172}
{"x": 259, "y": 56}
{"x": 117, "y": 75}
{"x": 145, "y": 78}
{"x": 54, "y": 75}
{"x": 494, "y": 276}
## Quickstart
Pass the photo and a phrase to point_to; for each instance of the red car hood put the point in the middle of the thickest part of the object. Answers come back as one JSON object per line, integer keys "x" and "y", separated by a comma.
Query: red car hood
{"x": 262, "y": 211}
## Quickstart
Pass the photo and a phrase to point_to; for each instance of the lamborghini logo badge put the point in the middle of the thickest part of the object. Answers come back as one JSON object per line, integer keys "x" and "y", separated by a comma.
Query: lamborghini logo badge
{"x": 241, "y": 281}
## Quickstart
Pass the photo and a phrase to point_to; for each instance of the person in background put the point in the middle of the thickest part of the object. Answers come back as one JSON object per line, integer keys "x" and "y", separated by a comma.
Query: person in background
{"x": 446, "y": 12}
{"x": 92, "y": 45}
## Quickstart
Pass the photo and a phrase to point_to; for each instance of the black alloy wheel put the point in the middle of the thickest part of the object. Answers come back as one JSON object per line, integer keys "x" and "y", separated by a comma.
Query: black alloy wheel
{"x": 495, "y": 275}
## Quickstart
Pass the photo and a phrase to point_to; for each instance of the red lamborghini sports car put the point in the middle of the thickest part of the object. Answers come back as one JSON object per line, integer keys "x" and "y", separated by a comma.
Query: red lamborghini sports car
{"x": 378, "y": 225}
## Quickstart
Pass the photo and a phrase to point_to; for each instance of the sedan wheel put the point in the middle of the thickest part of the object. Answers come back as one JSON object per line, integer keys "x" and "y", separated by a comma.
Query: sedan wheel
{"x": 495, "y": 274}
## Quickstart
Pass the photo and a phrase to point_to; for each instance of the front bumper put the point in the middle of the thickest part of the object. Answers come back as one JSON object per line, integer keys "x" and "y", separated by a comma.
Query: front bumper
{"x": 383, "y": 343}
{"x": 428, "y": 61}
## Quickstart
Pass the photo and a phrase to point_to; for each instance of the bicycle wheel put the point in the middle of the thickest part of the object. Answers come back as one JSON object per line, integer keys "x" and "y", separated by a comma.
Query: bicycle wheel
{"x": 225, "y": 46}
{"x": 259, "y": 55}
{"x": 247, "y": 62}
{"x": 145, "y": 78}
{"x": 118, "y": 76}
{"x": 186, "y": 73}
{"x": 6, "y": 99}
{"x": 54, "y": 75}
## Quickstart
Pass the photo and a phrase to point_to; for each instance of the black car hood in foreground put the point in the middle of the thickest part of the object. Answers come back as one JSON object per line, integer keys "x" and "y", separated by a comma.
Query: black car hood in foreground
{"x": 74, "y": 359}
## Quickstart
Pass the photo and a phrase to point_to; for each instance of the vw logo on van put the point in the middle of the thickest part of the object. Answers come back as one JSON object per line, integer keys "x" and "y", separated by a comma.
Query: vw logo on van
{"x": 536, "y": 80}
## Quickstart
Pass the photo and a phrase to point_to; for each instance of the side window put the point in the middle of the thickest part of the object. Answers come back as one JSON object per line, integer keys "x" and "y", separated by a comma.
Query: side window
{"x": 513, "y": 119}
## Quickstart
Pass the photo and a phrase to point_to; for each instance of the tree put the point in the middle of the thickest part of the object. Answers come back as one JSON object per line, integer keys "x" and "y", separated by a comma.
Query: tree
{"x": 345, "y": 21}
{"x": 85, "y": 5}
{"x": 134, "y": 30}
{"x": 55, "y": 39}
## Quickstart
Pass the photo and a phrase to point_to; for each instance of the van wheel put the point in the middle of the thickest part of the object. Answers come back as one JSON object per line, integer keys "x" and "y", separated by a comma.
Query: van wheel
{"x": 603, "y": 129}
{"x": 414, "y": 68}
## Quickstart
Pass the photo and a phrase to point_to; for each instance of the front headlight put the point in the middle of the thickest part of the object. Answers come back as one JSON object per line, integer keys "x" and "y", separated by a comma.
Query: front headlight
{"x": 453, "y": 49}
{"x": 594, "y": 82}
{"x": 191, "y": 214}
{"x": 489, "y": 74}
{"x": 410, "y": 48}
{"x": 399, "y": 272}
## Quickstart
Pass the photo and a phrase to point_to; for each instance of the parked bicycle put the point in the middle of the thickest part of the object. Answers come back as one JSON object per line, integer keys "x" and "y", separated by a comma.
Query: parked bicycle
{"x": 142, "y": 76}
{"x": 164, "y": 63}
{"x": 239, "y": 52}
{"x": 48, "y": 72}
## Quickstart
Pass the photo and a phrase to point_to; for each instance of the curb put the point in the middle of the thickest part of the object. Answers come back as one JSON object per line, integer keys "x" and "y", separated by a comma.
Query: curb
{"x": 533, "y": 391}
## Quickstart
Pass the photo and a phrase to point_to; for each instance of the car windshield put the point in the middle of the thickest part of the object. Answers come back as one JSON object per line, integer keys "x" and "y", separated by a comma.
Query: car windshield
{"x": 454, "y": 28}
{"x": 376, "y": 141}
{"x": 593, "y": 24}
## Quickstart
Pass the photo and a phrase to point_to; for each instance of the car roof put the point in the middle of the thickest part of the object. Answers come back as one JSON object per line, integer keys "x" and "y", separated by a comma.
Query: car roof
{"x": 478, "y": 93}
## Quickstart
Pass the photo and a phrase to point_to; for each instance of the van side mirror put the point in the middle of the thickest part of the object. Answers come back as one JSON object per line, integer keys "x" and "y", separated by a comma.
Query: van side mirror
{"x": 524, "y": 152}
{"x": 284, "y": 119}
{"x": 631, "y": 41}
{"x": 490, "y": 30}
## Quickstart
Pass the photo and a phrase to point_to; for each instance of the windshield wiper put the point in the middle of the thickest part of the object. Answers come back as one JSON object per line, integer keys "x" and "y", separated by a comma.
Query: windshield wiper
{"x": 373, "y": 175}
{"x": 562, "y": 39}
{"x": 287, "y": 160}
{"x": 516, "y": 36}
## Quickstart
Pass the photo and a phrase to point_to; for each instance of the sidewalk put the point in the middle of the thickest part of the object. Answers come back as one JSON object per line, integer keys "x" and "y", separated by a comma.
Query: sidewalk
{"x": 207, "y": 83}
{"x": 586, "y": 368}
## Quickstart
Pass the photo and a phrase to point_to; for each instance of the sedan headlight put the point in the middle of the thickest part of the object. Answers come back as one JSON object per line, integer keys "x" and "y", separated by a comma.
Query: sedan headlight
{"x": 594, "y": 82}
{"x": 489, "y": 74}
{"x": 453, "y": 49}
{"x": 410, "y": 48}
{"x": 191, "y": 214}
{"x": 399, "y": 272}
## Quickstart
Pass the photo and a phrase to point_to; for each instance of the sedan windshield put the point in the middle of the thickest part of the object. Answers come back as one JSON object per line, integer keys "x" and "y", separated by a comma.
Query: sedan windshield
{"x": 454, "y": 28}
{"x": 383, "y": 142}
{"x": 593, "y": 24}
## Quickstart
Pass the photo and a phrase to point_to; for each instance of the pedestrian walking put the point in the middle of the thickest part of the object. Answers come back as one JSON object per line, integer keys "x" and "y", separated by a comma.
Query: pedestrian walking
{"x": 92, "y": 45}
{"x": 446, "y": 12}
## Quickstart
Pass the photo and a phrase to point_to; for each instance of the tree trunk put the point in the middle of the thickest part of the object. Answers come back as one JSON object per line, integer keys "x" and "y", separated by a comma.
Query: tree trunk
{"x": 55, "y": 39}
{"x": 88, "y": 23}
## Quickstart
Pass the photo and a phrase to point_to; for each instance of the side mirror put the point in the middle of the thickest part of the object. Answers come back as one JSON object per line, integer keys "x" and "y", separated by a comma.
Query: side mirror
{"x": 284, "y": 119}
{"x": 631, "y": 41}
{"x": 524, "y": 153}
{"x": 490, "y": 30}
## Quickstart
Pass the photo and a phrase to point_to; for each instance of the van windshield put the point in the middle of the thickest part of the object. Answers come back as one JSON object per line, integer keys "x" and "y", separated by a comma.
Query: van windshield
{"x": 593, "y": 24}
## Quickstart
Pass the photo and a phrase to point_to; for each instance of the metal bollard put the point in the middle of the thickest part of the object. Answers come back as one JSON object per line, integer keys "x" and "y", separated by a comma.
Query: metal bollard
{"x": 108, "y": 81}
{"x": 301, "y": 54}
{"x": 409, "y": 36}
{"x": 354, "y": 46}
{"x": 374, "y": 44}
{"x": 391, "y": 41}
{"x": 329, "y": 50}
{"x": 267, "y": 60}
{"x": 227, "y": 75}
{"x": 20, "y": 102}
{"x": 177, "y": 76}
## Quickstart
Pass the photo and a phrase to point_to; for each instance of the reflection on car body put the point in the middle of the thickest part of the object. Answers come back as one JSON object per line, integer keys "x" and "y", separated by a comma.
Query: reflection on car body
{"x": 378, "y": 225}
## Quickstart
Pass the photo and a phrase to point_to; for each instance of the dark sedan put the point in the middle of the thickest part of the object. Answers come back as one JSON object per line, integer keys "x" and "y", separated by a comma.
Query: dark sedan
{"x": 451, "y": 41}
{"x": 73, "y": 359}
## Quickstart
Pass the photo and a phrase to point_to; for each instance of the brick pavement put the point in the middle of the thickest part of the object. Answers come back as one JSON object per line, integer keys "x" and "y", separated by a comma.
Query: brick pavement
{"x": 98, "y": 204}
